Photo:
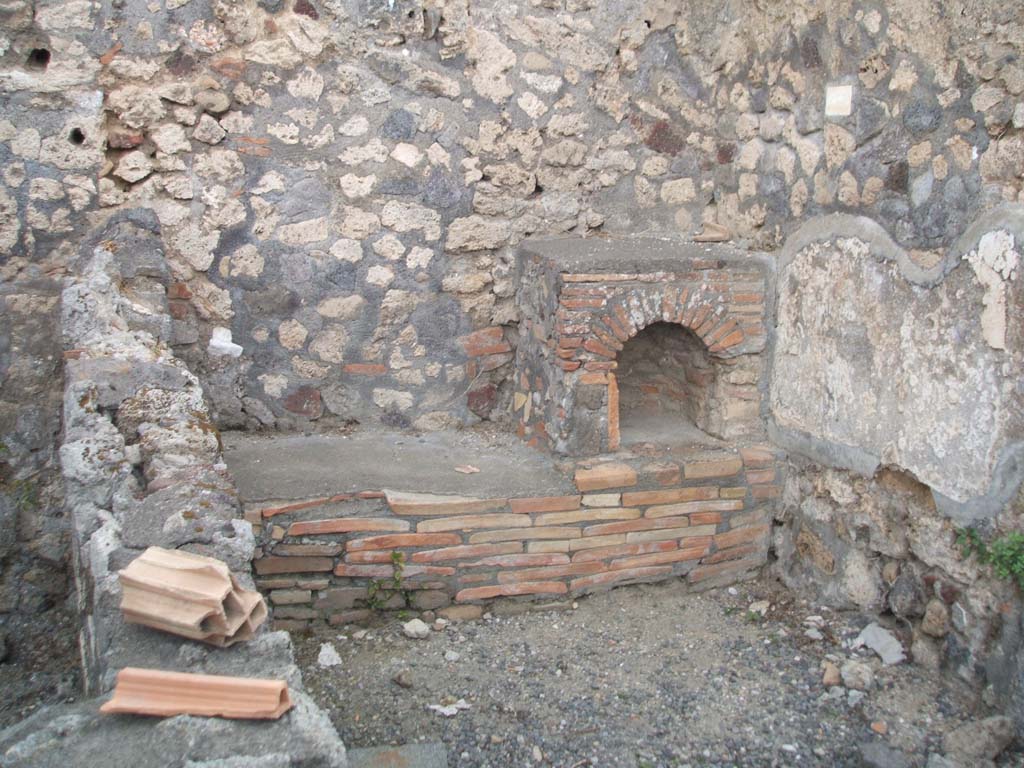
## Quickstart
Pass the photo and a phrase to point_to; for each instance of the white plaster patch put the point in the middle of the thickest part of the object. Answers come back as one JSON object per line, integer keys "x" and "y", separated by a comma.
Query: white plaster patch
{"x": 221, "y": 344}
{"x": 912, "y": 379}
{"x": 994, "y": 263}
{"x": 838, "y": 100}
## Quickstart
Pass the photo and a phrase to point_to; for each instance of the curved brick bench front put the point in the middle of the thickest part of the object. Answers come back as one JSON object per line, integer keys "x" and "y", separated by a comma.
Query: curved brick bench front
{"x": 706, "y": 520}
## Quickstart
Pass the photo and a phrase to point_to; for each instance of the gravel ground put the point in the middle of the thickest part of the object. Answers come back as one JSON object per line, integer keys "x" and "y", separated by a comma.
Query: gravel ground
{"x": 641, "y": 676}
{"x": 41, "y": 666}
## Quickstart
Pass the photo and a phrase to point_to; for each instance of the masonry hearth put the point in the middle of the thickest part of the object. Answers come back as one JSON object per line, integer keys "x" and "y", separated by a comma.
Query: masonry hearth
{"x": 630, "y": 335}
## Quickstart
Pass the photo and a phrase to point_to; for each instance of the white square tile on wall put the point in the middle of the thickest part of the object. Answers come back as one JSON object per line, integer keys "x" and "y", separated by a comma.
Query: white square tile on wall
{"x": 838, "y": 100}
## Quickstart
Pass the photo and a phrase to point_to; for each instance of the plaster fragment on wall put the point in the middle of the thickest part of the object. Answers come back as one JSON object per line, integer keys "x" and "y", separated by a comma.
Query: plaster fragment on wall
{"x": 994, "y": 263}
{"x": 838, "y": 100}
{"x": 221, "y": 344}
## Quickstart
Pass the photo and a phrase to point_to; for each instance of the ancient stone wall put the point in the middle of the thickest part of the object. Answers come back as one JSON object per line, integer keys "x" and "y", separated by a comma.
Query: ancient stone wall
{"x": 341, "y": 185}
{"x": 50, "y": 155}
{"x": 140, "y": 456}
{"x": 342, "y": 188}
{"x": 33, "y": 534}
{"x": 895, "y": 386}
{"x": 142, "y": 467}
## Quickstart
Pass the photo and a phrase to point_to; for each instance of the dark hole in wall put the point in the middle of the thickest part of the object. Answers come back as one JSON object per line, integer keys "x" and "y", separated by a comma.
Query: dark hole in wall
{"x": 667, "y": 388}
{"x": 76, "y": 136}
{"x": 38, "y": 59}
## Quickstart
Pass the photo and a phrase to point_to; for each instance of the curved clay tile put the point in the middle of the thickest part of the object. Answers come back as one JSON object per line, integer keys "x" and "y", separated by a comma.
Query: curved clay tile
{"x": 189, "y": 595}
{"x": 164, "y": 694}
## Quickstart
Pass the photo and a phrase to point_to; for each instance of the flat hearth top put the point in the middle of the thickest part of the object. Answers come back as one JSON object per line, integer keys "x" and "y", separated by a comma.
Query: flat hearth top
{"x": 634, "y": 254}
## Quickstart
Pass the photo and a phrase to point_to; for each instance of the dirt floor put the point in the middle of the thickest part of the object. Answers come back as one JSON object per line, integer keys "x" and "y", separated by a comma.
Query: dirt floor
{"x": 641, "y": 676}
{"x": 41, "y": 664}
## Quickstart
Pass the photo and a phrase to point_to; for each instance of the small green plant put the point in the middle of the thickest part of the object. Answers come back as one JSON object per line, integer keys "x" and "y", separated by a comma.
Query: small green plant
{"x": 381, "y": 591}
{"x": 970, "y": 542}
{"x": 1005, "y": 554}
{"x": 752, "y": 617}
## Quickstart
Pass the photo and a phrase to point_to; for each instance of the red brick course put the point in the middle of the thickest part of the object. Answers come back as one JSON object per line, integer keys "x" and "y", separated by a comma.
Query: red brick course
{"x": 458, "y": 549}
{"x": 545, "y": 504}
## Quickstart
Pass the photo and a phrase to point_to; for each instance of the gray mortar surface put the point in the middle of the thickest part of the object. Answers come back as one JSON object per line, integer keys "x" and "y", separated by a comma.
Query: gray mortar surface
{"x": 611, "y": 254}
{"x": 299, "y": 466}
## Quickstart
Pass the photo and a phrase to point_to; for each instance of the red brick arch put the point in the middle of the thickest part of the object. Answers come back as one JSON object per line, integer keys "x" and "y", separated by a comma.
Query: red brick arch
{"x": 595, "y": 327}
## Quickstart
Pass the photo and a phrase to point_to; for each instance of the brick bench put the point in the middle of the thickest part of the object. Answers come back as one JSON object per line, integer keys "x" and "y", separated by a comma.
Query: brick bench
{"x": 335, "y": 559}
